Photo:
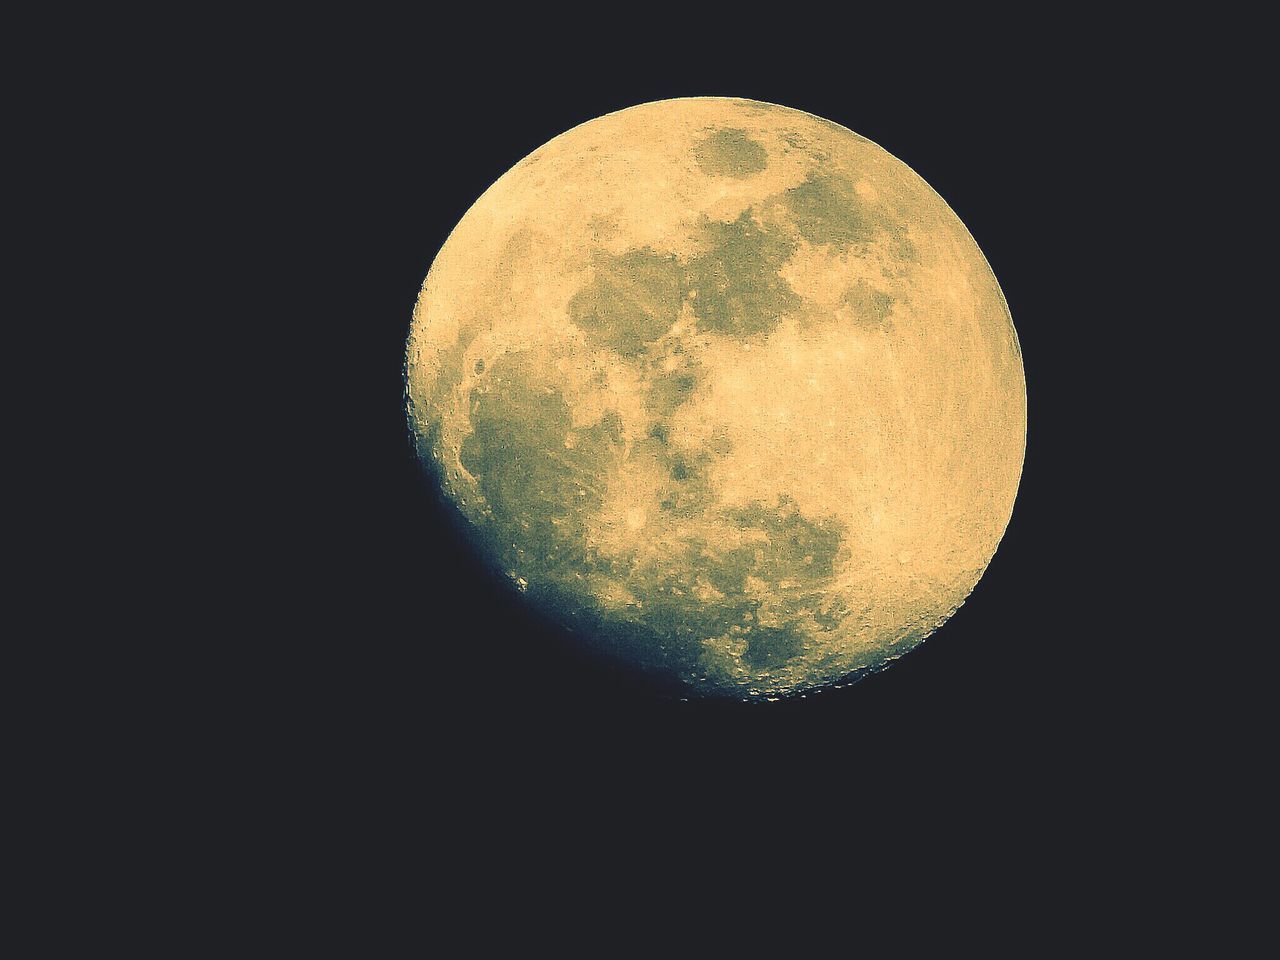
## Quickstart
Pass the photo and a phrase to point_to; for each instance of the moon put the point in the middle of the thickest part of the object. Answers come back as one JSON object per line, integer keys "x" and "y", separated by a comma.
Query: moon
{"x": 726, "y": 390}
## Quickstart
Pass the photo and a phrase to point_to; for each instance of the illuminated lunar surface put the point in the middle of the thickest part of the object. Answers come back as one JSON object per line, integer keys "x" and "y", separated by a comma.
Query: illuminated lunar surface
{"x": 727, "y": 390}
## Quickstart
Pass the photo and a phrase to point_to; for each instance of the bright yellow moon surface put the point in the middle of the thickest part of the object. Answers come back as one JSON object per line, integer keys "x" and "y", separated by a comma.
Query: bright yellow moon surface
{"x": 726, "y": 390}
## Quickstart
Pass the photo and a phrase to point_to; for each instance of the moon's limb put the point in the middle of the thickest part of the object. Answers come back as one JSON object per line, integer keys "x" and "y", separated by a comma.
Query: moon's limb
{"x": 729, "y": 387}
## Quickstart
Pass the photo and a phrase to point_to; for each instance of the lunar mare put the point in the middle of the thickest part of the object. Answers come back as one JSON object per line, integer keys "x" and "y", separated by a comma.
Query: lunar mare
{"x": 725, "y": 389}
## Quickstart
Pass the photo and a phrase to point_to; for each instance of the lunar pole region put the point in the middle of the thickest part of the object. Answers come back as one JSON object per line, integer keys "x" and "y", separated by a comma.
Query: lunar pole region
{"x": 726, "y": 390}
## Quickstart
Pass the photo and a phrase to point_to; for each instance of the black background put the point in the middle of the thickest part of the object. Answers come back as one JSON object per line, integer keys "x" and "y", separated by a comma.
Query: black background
{"x": 389, "y": 671}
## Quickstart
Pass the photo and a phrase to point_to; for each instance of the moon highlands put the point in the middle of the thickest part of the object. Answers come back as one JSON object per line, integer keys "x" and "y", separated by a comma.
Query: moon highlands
{"x": 725, "y": 389}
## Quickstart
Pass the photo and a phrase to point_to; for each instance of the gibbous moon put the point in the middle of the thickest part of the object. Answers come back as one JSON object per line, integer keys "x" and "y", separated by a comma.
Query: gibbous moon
{"x": 725, "y": 389}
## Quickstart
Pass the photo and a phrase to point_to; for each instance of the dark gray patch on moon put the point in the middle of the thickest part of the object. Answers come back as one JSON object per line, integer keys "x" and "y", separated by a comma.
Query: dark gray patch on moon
{"x": 827, "y": 210}
{"x": 631, "y": 300}
{"x": 668, "y": 389}
{"x": 870, "y": 307}
{"x": 537, "y": 487}
{"x": 730, "y": 153}
{"x": 735, "y": 283}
